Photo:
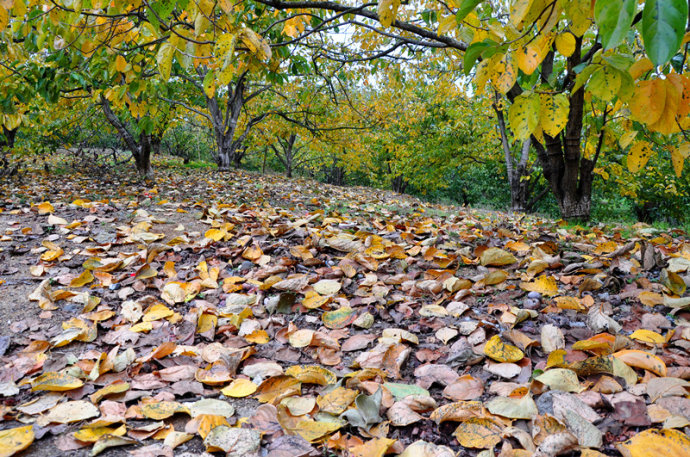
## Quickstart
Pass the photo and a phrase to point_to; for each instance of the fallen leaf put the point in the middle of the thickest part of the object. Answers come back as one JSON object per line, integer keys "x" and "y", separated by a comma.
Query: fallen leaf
{"x": 14, "y": 440}
{"x": 501, "y": 352}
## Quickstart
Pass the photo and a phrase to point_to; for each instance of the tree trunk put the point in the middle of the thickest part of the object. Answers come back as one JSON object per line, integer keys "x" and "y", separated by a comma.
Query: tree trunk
{"x": 142, "y": 158}
{"x": 568, "y": 173}
{"x": 224, "y": 127}
{"x": 9, "y": 136}
{"x": 141, "y": 150}
{"x": 399, "y": 184}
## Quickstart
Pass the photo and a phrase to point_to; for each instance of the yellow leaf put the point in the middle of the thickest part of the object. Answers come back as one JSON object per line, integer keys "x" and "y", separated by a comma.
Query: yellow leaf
{"x": 327, "y": 287}
{"x": 214, "y": 374}
{"x": 495, "y": 257}
{"x": 157, "y": 312}
{"x": 169, "y": 269}
{"x": 650, "y": 298}
{"x": 678, "y": 161}
{"x": 648, "y": 101}
{"x": 275, "y": 388}
{"x": 479, "y": 433}
{"x": 312, "y": 374}
{"x": 519, "y": 10}
{"x": 301, "y": 338}
{"x": 208, "y": 422}
{"x": 387, "y": 10}
{"x": 56, "y": 382}
{"x": 545, "y": 285}
{"x": 141, "y": 327}
{"x": 312, "y": 430}
{"x": 215, "y": 234}
{"x": 337, "y": 400}
{"x": 164, "y": 59}
{"x": 579, "y": 13}
{"x": 372, "y": 448}
{"x": 568, "y": 302}
{"x": 45, "y": 207}
{"x": 627, "y": 138}
{"x": 82, "y": 280}
{"x": 91, "y": 434}
{"x": 258, "y": 337}
{"x": 162, "y": 409}
{"x": 338, "y": 318}
{"x": 642, "y": 359}
{"x": 257, "y": 46}
{"x": 117, "y": 387}
{"x": 655, "y": 443}
{"x": 639, "y": 155}
{"x": 501, "y": 352}
{"x": 553, "y": 115}
{"x": 239, "y": 388}
{"x": 120, "y": 64}
{"x": 523, "y": 115}
{"x": 206, "y": 323}
{"x": 313, "y": 300}
{"x": 605, "y": 83}
{"x": 15, "y": 439}
{"x": 647, "y": 336}
{"x": 529, "y": 57}
{"x": 640, "y": 67}
{"x": 565, "y": 43}
{"x": 299, "y": 406}
{"x": 506, "y": 73}
{"x": 252, "y": 253}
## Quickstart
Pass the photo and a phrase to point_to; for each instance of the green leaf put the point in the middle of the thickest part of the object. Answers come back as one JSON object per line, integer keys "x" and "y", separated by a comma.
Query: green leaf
{"x": 582, "y": 77}
{"x": 465, "y": 9}
{"x": 401, "y": 391}
{"x": 663, "y": 27}
{"x": 473, "y": 52}
{"x": 366, "y": 411}
{"x": 614, "y": 18}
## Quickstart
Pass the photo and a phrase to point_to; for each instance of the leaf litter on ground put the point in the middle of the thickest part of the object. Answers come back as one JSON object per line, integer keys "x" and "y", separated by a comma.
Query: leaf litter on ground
{"x": 252, "y": 315}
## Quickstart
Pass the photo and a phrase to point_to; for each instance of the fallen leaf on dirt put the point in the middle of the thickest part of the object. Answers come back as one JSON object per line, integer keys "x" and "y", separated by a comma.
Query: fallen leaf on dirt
{"x": 502, "y": 352}
{"x": 234, "y": 442}
{"x": 57, "y": 382}
{"x": 479, "y": 433}
{"x": 16, "y": 439}
{"x": 655, "y": 443}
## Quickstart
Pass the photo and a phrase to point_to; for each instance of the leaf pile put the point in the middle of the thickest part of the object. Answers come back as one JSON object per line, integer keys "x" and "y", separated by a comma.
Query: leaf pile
{"x": 251, "y": 315}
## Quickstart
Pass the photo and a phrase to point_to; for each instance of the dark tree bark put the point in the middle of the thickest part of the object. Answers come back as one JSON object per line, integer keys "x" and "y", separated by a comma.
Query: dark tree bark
{"x": 8, "y": 137}
{"x": 399, "y": 184}
{"x": 7, "y": 168}
{"x": 287, "y": 154}
{"x": 231, "y": 148}
{"x": 140, "y": 148}
{"x": 569, "y": 174}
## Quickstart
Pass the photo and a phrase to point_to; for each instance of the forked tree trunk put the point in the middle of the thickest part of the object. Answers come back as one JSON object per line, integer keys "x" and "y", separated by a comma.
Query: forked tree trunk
{"x": 516, "y": 167}
{"x": 286, "y": 153}
{"x": 141, "y": 149}
{"x": 399, "y": 184}
{"x": 230, "y": 147}
{"x": 569, "y": 174}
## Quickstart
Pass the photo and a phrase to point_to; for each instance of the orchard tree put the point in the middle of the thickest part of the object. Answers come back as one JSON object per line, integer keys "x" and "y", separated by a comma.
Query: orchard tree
{"x": 560, "y": 64}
